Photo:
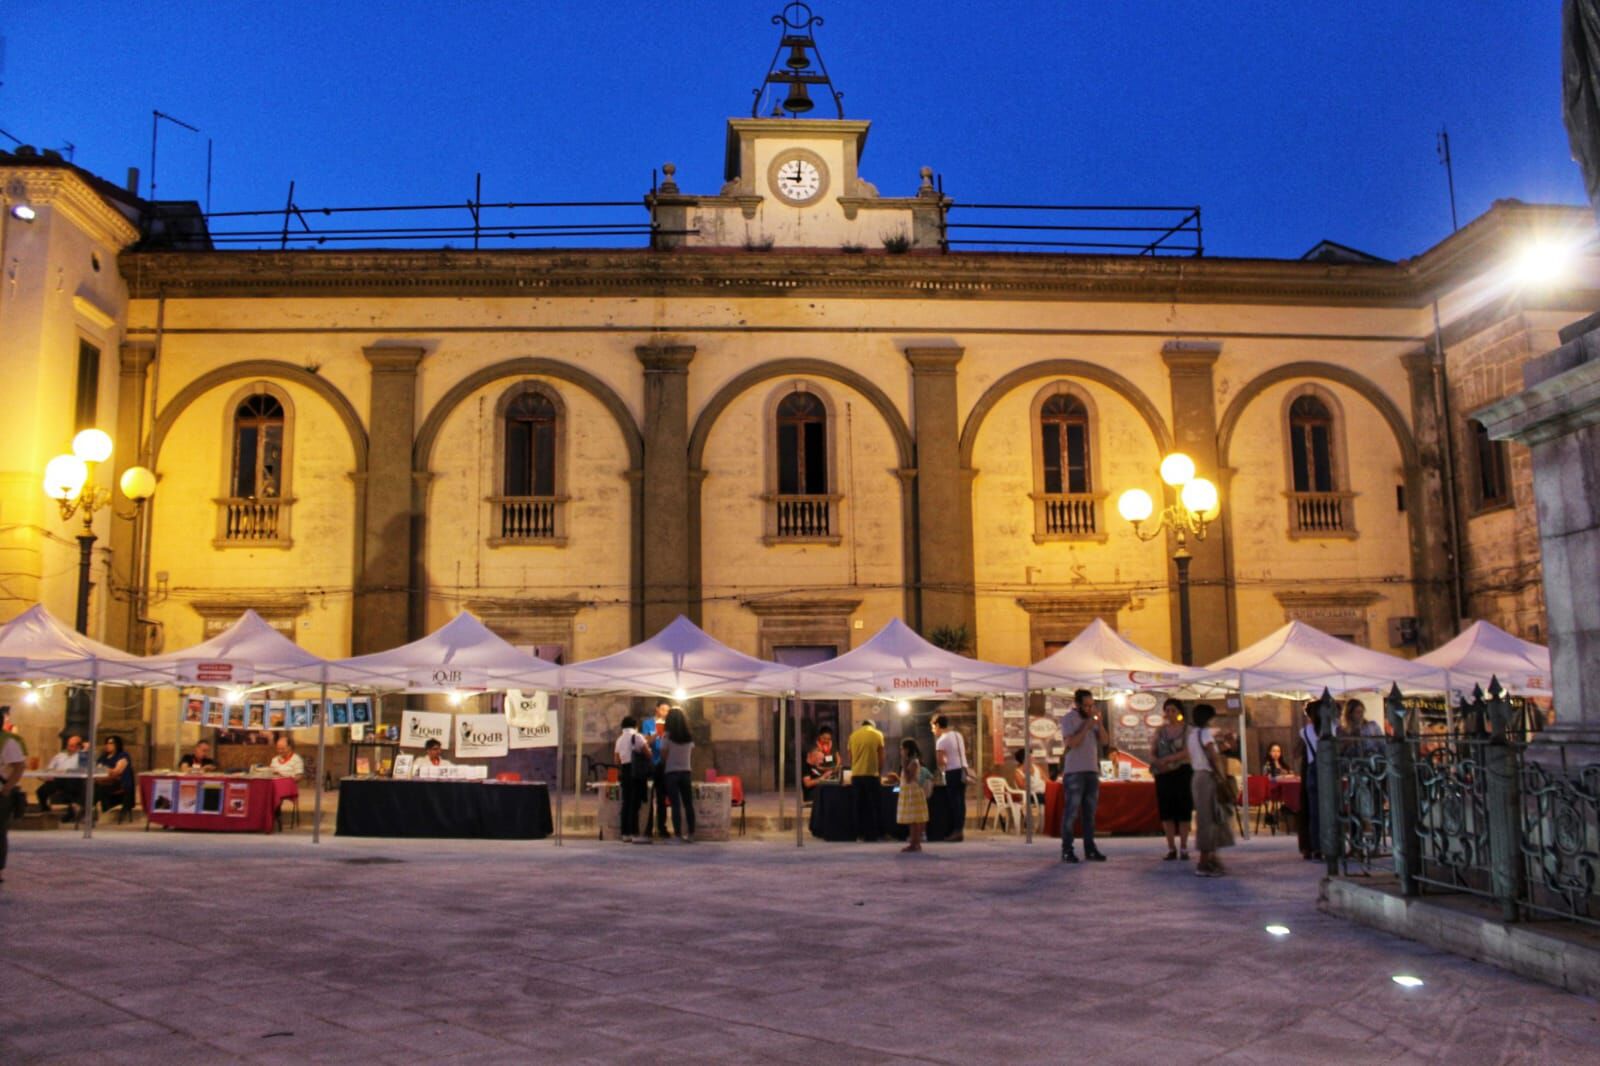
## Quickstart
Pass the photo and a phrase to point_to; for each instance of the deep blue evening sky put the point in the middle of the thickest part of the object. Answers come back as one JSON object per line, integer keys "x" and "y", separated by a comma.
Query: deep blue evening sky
{"x": 1287, "y": 121}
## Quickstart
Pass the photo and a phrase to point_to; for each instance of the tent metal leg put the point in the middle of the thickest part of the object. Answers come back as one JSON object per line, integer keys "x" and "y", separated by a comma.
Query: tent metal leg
{"x": 322, "y": 767}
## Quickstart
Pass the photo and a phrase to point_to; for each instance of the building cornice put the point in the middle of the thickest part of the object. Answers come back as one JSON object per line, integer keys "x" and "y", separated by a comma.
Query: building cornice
{"x": 64, "y": 191}
{"x": 805, "y": 273}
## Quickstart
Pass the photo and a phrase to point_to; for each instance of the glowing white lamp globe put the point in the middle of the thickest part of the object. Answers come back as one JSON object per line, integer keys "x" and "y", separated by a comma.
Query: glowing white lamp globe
{"x": 64, "y": 477}
{"x": 1200, "y": 497}
{"x": 1135, "y": 505}
{"x": 92, "y": 446}
{"x": 1177, "y": 469}
{"x": 138, "y": 483}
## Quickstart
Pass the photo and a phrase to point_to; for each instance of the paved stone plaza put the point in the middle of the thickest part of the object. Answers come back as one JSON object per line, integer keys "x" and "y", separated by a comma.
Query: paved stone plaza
{"x": 145, "y": 947}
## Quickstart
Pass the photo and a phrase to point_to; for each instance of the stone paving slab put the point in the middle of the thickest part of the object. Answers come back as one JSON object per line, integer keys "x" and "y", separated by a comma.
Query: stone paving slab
{"x": 177, "y": 948}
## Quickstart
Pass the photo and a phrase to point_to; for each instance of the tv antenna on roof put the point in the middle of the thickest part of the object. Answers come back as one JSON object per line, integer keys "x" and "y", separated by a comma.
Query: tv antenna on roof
{"x": 155, "y": 129}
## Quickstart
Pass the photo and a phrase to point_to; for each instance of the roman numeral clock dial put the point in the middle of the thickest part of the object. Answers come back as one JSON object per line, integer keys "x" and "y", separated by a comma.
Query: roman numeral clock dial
{"x": 798, "y": 177}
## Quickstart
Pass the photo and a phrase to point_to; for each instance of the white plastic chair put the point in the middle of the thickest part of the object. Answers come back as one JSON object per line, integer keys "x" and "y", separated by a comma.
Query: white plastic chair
{"x": 1005, "y": 803}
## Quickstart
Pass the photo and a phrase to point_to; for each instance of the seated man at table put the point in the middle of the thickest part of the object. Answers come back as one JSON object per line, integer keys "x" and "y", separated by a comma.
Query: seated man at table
{"x": 822, "y": 761}
{"x": 200, "y": 759}
{"x": 114, "y": 785}
{"x": 432, "y": 764}
{"x": 73, "y": 759}
{"x": 287, "y": 763}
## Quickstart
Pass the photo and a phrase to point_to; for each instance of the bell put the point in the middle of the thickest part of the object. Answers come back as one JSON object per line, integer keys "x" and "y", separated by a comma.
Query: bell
{"x": 799, "y": 102}
{"x": 797, "y": 57}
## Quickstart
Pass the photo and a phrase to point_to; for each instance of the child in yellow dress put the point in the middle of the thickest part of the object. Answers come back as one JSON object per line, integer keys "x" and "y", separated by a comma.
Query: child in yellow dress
{"x": 913, "y": 809}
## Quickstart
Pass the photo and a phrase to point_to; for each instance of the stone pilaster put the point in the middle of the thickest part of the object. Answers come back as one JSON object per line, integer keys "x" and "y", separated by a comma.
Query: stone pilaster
{"x": 1194, "y": 429}
{"x": 381, "y": 617}
{"x": 1558, "y": 417}
{"x": 1430, "y": 519}
{"x": 944, "y": 578}
{"x": 122, "y": 709}
{"x": 664, "y": 585}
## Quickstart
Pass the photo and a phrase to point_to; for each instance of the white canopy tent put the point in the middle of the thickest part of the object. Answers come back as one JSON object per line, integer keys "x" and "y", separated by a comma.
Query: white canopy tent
{"x": 684, "y": 662}
{"x": 250, "y": 653}
{"x": 1483, "y": 652}
{"x": 896, "y": 664}
{"x": 461, "y": 656}
{"x": 36, "y": 646}
{"x": 1298, "y": 661}
{"x": 1101, "y": 658}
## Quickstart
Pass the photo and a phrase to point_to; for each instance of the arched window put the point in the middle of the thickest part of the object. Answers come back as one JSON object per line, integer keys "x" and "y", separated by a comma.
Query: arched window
{"x": 1493, "y": 488}
{"x": 802, "y": 446}
{"x": 258, "y": 448}
{"x": 530, "y": 443}
{"x": 1065, "y": 503}
{"x": 528, "y": 481}
{"x": 801, "y": 504}
{"x": 1064, "y": 437}
{"x": 253, "y": 510}
{"x": 1311, "y": 445}
{"x": 1320, "y": 501}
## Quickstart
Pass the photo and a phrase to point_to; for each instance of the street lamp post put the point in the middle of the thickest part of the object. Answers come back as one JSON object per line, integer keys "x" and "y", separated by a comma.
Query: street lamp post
{"x": 69, "y": 480}
{"x": 1198, "y": 505}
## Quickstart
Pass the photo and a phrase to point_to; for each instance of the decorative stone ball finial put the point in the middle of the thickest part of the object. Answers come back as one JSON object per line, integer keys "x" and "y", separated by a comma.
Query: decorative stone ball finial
{"x": 668, "y": 184}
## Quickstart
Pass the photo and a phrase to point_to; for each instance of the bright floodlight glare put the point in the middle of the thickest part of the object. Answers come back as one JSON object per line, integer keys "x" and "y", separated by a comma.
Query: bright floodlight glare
{"x": 1135, "y": 505}
{"x": 92, "y": 446}
{"x": 1278, "y": 930}
{"x": 1200, "y": 497}
{"x": 1120, "y": 699}
{"x": 64, "y": 477}
{"x": 138, "y": 483}
{"x": 1177, "y": 469}
{"x": 24, "y": 212}
{"x": 455, "y": 699}
{"x": 1543, "y": 262}
{"x": 680, "y": 694}
{"x": 31, "y": 697}
{"x": 903, "y": 706}
{"x": 1405, "y": 980}
{"x": 234, "y": 697}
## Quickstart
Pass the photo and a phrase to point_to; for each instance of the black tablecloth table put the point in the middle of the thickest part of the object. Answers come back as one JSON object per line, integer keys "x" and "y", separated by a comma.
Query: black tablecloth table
{"x": 385, "y": 807}
{"x": 833, "y": 813}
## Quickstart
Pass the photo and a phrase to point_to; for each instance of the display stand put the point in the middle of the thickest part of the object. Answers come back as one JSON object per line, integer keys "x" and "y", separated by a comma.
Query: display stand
{"x": 375, "y": 750}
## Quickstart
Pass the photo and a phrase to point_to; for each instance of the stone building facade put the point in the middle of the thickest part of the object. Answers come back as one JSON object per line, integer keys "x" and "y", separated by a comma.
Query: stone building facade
{"x": 769, "y": 422}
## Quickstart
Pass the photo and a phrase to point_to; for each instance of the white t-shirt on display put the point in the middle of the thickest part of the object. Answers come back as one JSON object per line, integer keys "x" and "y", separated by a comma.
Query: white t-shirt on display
{"x": 954, "y": 750}
{"x": 1198, "y": 739}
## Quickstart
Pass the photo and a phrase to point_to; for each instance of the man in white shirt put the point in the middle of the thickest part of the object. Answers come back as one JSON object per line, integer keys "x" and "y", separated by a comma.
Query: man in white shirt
{"x": 11, "y": 760}
{"x": 432, "y": 764}
{"x": 73, "y": 759}
{"x": 951, "y": 751}
{"x": 287, "y": 763}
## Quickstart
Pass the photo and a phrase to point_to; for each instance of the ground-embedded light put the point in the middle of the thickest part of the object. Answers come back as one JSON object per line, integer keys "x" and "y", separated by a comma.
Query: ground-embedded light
{"x": 1405, "y": 980}
{"x": 1278, "y": 930}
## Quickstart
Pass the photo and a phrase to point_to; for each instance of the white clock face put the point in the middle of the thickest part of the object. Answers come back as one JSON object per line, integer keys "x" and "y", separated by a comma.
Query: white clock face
{"x": 799, "y": 180}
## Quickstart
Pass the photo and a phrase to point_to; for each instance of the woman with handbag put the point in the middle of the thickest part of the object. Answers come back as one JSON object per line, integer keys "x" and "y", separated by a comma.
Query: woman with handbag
{"x": 1210, "y": 786}
{"x": 915, "y": 784}
{"x": 1169, "y": 762}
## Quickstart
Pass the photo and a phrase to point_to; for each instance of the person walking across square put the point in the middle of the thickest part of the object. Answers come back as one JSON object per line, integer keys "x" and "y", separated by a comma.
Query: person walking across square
{"x": 1086, "y": 737}
{"x": 866, "y": 764}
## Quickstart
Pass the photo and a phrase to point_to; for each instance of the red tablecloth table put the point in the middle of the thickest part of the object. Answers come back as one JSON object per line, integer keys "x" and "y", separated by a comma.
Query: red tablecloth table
{"x": 247, "y": 803}
{"x": 1283, "y": 791}
{"x": 1125, "y": 807}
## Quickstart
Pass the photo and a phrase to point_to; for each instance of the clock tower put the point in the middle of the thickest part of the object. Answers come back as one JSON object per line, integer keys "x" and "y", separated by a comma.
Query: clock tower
{"x": 792, "y": 181}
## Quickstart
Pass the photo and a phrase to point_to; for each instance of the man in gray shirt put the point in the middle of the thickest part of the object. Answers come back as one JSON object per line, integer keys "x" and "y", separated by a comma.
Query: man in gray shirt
{"x": 1086, "y": 737}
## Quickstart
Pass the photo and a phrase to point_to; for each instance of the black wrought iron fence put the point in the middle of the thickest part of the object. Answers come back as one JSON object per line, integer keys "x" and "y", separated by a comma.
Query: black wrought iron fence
{"x": 1487, "y": 808}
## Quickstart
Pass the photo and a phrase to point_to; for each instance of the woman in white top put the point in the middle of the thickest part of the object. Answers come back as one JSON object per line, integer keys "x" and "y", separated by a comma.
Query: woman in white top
{"x": 1206, "y": 763}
